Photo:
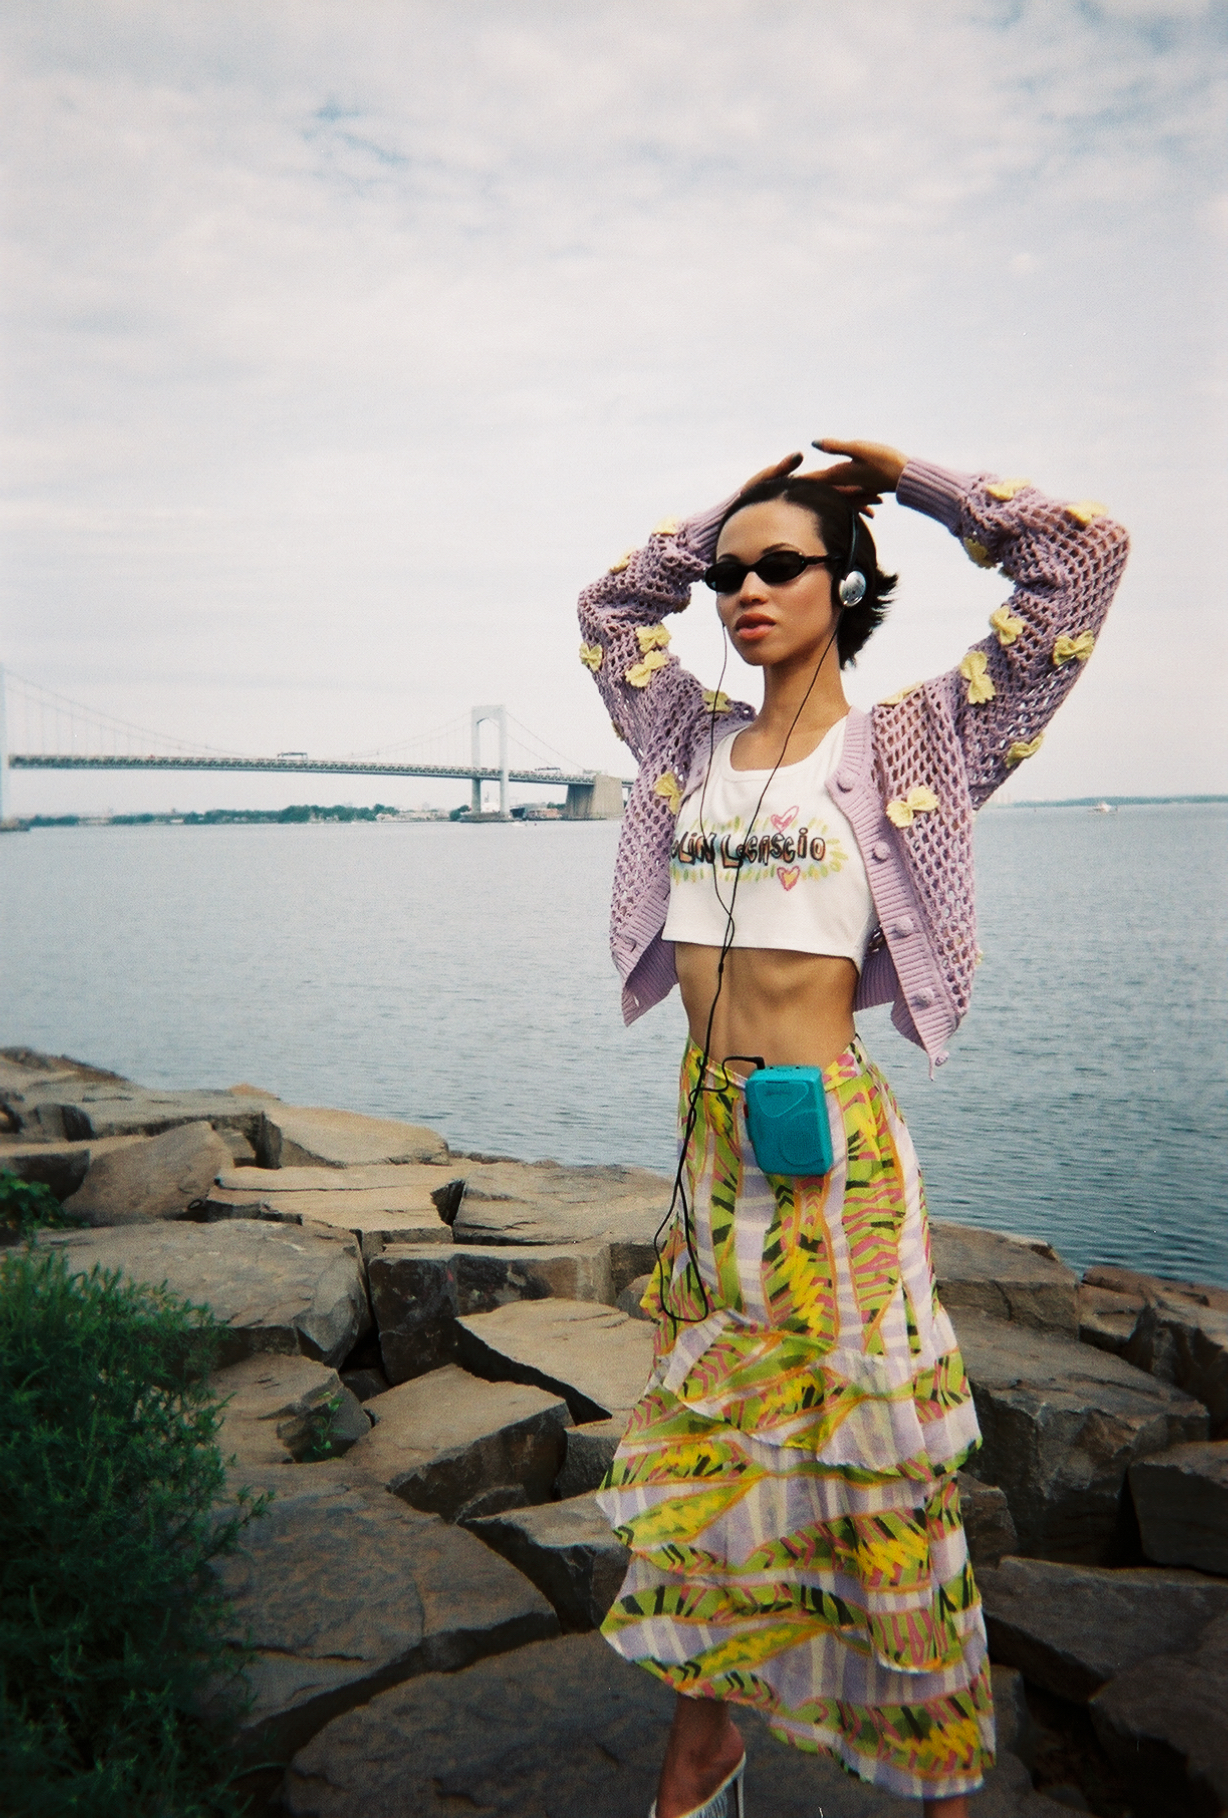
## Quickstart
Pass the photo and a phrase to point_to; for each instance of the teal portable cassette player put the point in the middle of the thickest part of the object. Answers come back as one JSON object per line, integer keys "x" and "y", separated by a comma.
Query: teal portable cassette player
{"x": 786, "y": 1115}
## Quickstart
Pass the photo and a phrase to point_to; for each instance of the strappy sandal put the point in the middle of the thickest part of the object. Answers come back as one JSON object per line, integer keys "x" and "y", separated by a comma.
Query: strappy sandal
{"x": 719, "y": 1806}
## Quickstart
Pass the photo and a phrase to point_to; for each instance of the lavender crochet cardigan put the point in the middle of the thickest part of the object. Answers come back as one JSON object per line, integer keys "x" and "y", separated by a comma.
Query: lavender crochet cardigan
{"x": 914, "y": 770}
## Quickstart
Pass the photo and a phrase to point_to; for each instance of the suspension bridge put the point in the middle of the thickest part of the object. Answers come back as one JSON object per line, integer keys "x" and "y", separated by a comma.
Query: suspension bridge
{"x": 40, "y": 730}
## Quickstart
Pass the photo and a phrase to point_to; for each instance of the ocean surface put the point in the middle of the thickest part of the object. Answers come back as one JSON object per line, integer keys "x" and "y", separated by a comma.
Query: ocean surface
{"x": 459, "y": 976}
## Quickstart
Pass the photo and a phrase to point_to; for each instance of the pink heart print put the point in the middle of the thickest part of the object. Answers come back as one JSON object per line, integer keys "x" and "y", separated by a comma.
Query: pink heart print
{"x": 783, "y": 822}
{"x": 790, "y": 876}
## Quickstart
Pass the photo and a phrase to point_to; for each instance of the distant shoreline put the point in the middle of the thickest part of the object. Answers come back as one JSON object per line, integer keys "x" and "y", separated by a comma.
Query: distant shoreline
{"x": 344, "y": 814}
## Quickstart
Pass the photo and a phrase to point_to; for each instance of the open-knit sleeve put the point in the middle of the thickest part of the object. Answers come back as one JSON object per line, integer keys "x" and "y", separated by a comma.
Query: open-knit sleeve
{"x": 1066, "y": 561}
{"x": 647, "y": 692}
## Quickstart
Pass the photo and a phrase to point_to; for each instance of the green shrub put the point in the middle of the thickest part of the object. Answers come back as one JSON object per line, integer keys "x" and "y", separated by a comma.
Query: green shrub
{"x": 111, "y": 1625}
{"x": 27, "y": 1206}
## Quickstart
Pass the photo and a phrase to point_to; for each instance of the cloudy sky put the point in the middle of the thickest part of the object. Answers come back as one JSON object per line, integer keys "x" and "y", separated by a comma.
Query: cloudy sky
{"x": 345, "y": 341}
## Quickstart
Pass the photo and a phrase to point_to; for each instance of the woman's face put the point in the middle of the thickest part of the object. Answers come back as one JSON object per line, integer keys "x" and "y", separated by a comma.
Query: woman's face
{"x": 794, "y": 620}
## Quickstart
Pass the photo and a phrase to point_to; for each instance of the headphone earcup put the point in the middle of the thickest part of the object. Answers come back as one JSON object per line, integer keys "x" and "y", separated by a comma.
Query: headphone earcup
{"x": 852, "y": 588}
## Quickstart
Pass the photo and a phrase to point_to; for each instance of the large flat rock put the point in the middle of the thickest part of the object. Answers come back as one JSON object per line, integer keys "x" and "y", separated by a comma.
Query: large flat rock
{"x": 1186, "y": 1343}
{"x": 590, "y": 1453}
{"x": 564, "y": 1729}
{"x": 314, "y": 1135}
{"x": 569, "y": 1552}
{"x": 417, "y": 1293}
{"x": 1071, "y": 1628}
{"x": 80, "y": 1109}
{"x": 511, "y": 1202}
{"x": 1062, "y": 1423}
{"x": 275, "y": 1288}
{"x": 156, "y": 1178}
{"x": 594, "y": 1356}
{"x": 990, "y": 1272}
{"x": 285, "y": 1411}
{"x": 453, "y": 1445}
{"x": 1162, "y": 1722}
{"x": 343, "y": 1592}
{"x": 1181, "y": 1500}
{"x": 1151, "y": 1288}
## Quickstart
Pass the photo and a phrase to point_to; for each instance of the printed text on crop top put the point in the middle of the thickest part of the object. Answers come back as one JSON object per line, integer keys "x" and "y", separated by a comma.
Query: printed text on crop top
{"x": 803, "y": 884}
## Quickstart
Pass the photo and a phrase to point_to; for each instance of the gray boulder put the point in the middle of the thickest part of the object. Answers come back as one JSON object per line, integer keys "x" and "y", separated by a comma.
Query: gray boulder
{"x": 990, "y": 1272}
{"x": 1161, "y": 1722}
{"x": 629, "y": 1300}
{"x": 1106, "y": 1318}
{"x": 147, "y": 1180}
{"x": 1181, "y": 1499}
{"x": 452, "y": 1445}
{"x": 1062, "y": 1423}
{"x": 285, "y": 1410}
{"x": 1071, "y": 1628}
{"x": 590, "y": 1453}
{"x": 509, "y": 1202}
{"x": 988, "y": 1527}
{"x": 1151, "y": 1288}
{"x": 566, "y": 1728}
{"x": 416, "y": 1294}
{"x": 62, "y": 1166}
{"x": 315, "y": 1136}
{"x": 594, "y": 1356}
{"x": 274, "y": 1288}
{"x": 342, "y": 1592}
{"x": 1185, "y": 1343}
{"x": 568, "y": 1550}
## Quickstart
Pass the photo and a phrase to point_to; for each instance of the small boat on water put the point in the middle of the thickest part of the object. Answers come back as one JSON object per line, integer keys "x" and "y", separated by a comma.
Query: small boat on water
{"x": 1103, "y": 808}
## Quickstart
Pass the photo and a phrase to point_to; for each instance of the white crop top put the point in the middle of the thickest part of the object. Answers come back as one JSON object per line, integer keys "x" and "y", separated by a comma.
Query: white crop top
{"x": 803, "y": 883}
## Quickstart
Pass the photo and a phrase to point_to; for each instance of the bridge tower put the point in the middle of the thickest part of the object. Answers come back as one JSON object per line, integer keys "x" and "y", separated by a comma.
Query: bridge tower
{"x": 499, "y": 716}
{"x": 4, "y": 750}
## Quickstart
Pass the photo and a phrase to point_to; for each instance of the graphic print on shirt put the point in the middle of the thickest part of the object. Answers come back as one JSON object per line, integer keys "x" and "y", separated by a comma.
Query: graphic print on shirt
{"x": 788, "y": 847}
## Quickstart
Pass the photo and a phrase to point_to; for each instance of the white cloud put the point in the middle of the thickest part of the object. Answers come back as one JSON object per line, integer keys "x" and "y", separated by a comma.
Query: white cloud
{"x": 346, "y": 342}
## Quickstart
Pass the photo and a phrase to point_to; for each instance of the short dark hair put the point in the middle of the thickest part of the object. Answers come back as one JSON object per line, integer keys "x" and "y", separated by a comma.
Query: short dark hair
{"x": 835, "y": 518}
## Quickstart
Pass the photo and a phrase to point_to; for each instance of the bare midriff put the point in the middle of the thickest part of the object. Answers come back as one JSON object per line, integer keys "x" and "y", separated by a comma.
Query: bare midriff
{"x": 790, "y": 1009}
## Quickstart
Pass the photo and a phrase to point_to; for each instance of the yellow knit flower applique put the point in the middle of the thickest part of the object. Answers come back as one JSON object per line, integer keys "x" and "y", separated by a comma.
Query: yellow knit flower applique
{"x": 974, "y": 671}
{"x": 1005, "y": 490}
{"x": 1086, "y": 511}
{"x": 977, "y": 552}
{"x": 651, "y": 637}
{"x": 624, "y": 561}
{"x": 901, "y": 694}
{"x": 670, "y": 788}
{"x": 668, "y": 527}
{"x": 920, "y": 800}
{"x": 715, "y": 701}
{"x": 1007, "y": 626}
{"x": 592, "y": 656}
{"x": 1073, "y": 650}
{"x": 640, "y": 674}
{"x": 1023, "y": 748}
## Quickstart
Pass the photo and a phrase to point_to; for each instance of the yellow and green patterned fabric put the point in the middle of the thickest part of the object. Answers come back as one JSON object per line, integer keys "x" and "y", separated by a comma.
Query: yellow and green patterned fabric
{"x": 786, "y": 1483}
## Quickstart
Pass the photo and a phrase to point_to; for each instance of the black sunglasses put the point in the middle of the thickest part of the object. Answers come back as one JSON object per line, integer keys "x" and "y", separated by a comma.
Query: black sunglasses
{"x": 773, "y": 569}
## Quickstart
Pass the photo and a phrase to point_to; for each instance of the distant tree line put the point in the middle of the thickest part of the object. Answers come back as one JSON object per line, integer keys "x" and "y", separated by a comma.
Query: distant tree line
{"x": 213, "y": 817}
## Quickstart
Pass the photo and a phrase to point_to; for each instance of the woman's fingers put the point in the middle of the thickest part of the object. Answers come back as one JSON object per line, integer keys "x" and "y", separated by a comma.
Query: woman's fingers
{"x": 776, "y": 471}
{"x": 874, "y": 464}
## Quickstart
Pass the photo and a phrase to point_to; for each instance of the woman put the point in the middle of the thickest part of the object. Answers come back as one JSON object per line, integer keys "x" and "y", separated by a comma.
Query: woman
{"x": 786, "y": 1484}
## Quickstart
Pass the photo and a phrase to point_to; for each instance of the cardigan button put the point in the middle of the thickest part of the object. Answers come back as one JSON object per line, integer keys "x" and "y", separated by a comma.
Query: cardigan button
{"x": 922, "y": 1000}
{"x": 904, "y": 926}
{"x": 843, "y": 782}
{"x": 880, "y": 850}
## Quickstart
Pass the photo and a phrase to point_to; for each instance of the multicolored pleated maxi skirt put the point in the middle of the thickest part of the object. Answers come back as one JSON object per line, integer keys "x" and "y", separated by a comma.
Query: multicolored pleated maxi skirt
{"x": 786, "y": 1484}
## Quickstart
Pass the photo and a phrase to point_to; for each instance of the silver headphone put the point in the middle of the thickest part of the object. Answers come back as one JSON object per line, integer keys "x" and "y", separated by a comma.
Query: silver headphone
{"x": 852, "y": 588}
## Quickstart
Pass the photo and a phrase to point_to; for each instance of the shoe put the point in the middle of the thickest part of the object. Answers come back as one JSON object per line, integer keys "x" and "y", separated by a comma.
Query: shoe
{"x": 719, "y": 1805}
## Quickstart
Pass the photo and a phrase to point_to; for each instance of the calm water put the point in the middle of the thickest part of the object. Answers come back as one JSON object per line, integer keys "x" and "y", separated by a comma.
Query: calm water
{"x": 458, "y": 976}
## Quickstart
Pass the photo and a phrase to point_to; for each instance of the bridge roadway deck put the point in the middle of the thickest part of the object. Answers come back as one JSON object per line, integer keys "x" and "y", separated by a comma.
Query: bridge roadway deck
{"x": 307, "y": 766}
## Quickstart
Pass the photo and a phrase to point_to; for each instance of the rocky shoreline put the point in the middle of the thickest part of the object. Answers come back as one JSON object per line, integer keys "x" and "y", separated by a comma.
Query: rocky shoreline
{"x": 430, "y": 1358}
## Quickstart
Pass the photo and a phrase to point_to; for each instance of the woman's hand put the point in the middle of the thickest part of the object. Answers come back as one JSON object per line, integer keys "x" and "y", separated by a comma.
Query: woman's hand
{"x": 871, "y": 470}
{"x": 776, "y": 471}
